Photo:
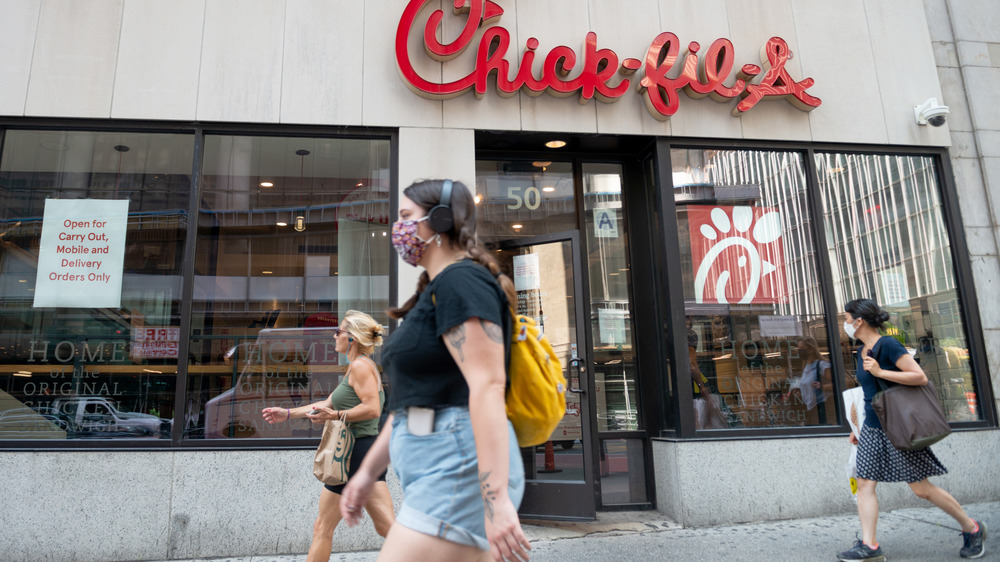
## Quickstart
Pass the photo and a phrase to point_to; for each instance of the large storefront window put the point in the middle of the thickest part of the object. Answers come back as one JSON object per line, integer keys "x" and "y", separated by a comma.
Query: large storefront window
{"x": 887, "y": 241}
{"x": 292, "y": 233}
{"x": 92, "y": 229}
{"x": 756, "y": 333}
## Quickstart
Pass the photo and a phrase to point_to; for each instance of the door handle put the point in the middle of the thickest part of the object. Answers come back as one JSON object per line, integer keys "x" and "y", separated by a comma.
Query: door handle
{"x": 578, "y": 364}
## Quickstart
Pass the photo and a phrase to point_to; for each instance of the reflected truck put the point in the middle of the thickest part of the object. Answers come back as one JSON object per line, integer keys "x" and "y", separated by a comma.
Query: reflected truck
{"x": 282, "y": 368}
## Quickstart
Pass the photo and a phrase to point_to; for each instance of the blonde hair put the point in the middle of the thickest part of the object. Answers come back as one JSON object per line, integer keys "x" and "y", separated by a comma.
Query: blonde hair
{"x": 367, "y": 333}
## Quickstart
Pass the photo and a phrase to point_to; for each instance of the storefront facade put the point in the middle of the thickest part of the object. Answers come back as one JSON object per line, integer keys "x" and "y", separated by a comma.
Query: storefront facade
{"x": 195, "y": 193}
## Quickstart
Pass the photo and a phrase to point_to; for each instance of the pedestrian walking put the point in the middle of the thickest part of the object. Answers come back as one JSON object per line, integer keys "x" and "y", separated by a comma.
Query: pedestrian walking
{"x": 878, "y": 461}
{"x": 449, "y": 439}
{"x": 815, "y": 378}
{"x": 359, "y": 398}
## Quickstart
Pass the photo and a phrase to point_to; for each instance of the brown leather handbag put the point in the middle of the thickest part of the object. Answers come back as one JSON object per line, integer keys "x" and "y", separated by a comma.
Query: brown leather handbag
{"x": 911, "y": 416}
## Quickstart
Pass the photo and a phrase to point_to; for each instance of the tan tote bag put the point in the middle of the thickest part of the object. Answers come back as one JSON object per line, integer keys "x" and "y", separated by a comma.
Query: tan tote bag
{"x": 333, "y": 457}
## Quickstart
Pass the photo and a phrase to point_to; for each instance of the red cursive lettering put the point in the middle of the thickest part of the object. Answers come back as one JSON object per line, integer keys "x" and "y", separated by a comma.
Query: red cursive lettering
{"x": 697, "y": 78}
{"x": 598, "y": 69}
{"x": 776, "y": 82}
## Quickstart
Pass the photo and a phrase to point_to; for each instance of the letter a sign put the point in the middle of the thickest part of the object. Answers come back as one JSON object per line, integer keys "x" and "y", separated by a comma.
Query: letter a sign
{"x": 605, "y": 223}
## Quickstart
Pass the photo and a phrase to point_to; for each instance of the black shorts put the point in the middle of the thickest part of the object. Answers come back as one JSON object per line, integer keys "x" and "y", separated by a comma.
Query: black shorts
{"x": 361, "y": 446}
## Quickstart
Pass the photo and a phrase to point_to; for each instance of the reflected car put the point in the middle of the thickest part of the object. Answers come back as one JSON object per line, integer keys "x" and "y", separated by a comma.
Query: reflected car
{"x": 98, "y": 415}
{"x": 282, "y": 367}
{"x": 41, "y": 423}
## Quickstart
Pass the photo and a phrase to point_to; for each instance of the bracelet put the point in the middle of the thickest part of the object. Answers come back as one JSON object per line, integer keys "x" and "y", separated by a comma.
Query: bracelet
{"x": 289, "y": 414}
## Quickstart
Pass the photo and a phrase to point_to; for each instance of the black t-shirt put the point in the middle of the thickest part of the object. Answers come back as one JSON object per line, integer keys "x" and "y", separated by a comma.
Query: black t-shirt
{"x": 420, "y": 368}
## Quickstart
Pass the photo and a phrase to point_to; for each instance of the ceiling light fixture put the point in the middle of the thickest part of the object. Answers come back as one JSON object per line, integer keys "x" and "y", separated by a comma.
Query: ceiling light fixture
{"x": 548, "y": 189}
{"x": 541, "y": 164}
{"x": 266, "y": 184}
{"x": 555, "y": 144}
{"x": 518, "y": 226}
{"x": 281, "y": 223}
{"x": 121, "y": 149}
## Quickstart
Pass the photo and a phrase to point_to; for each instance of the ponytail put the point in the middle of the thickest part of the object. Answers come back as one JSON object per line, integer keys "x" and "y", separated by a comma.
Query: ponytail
{"x": 401, "y": 311}
{"x": 484, "y": 257}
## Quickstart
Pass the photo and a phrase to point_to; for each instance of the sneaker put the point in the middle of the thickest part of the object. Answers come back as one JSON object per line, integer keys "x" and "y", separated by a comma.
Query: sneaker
{"x": 862, "y": 551}
{"x": 974, "y": 547}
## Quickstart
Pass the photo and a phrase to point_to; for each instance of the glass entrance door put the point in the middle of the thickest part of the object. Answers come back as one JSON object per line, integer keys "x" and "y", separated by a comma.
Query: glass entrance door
{"x": 559, "y": 474}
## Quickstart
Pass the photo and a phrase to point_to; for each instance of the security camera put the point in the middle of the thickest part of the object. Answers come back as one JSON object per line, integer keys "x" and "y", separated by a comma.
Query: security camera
{"x": 930, "y": 113}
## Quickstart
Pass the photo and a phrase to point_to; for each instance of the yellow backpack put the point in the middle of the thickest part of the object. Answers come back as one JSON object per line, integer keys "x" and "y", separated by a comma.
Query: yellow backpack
{"x": 536, "y": 399}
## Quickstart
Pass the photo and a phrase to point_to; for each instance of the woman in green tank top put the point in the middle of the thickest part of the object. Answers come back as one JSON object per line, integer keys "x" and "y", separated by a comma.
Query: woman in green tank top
{"x": 360, "y": 397}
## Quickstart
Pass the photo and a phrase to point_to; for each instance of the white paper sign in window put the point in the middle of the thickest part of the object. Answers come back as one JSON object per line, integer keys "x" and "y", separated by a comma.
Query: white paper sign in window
{"x": 526, "y": 273}
{"x": 81, "y": 253}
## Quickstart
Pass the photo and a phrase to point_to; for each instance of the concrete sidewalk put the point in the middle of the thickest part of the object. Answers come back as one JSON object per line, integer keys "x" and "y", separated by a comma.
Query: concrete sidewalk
{"x": 924, "y": 534}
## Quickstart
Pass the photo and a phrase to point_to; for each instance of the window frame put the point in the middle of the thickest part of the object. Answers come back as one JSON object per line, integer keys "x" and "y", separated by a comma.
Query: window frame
{"x": 673, "y": 291}
{"x": 199, "y": 130}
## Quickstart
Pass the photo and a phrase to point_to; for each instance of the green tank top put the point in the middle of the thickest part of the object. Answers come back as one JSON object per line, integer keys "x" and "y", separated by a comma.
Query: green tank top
{"x": 344, "y": 398}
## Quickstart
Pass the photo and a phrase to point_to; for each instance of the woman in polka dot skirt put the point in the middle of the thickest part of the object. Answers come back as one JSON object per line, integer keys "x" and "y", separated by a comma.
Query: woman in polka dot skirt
{"x": 878, "y": 460}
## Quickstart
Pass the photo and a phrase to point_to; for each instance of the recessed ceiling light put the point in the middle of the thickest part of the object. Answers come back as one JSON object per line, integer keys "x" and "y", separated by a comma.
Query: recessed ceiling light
{"x": 58, "y": 145}
{"x": 266, "y": 184}
{"x": 517, "y": 226}
{"x": 541, "y": 164}
{"x": 266, "y": 272}
{"x": 555, "y": 144}
{"x": 548, "y": 189}
{"x": 281, "y": 223}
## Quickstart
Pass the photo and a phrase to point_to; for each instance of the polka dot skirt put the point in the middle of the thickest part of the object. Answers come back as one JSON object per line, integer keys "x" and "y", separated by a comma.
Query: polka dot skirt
{"x": 878, "y": 460}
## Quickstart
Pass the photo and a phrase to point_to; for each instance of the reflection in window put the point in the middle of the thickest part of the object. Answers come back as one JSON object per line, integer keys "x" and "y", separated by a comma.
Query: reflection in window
{"x": 613, "y": 358}
{"x": 517, "y": 198}
{"x": 623, "y": 472}
{"x": 79, "y": 371}
{"x": 887, "y": 241}
{"x": 292, "y": 233}
{"x": 756, "y": 335}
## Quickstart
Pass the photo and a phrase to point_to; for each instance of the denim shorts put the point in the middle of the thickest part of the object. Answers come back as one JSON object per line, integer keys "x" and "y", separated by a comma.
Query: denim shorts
{"x": 440, "y": 477}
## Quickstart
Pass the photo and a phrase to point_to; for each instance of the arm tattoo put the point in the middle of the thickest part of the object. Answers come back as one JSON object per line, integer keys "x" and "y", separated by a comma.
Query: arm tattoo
{"x": 489, "y": 496}
{"x": 494, "y": 332}
{"x": 456, "y": 337}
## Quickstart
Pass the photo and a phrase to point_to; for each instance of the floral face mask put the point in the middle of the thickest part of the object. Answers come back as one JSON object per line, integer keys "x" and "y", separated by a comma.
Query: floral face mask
{"x": 407, "y": 243}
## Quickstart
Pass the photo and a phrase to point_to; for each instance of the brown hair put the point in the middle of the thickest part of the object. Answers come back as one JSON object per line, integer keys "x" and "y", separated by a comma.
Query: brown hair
{"x": 812, "y": 345}
{"x": 426, "y": 194}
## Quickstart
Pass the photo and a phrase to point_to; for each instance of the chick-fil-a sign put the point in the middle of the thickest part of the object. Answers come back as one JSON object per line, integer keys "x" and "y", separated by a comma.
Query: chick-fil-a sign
{"x": 660, "y": 81}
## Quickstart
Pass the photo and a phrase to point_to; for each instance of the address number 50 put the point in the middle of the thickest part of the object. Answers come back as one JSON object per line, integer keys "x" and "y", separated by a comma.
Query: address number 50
{"x": 531, "y": 199}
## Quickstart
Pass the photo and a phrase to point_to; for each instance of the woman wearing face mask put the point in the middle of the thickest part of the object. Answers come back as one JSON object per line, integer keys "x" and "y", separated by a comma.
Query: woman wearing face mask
{"x": 448, "y": 435}
{"x": 878, "y": 461}
{"x": 360, "y": 396}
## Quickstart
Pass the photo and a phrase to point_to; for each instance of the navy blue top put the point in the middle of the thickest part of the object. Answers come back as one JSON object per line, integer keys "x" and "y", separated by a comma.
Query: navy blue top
{"x": 887, "y": 351}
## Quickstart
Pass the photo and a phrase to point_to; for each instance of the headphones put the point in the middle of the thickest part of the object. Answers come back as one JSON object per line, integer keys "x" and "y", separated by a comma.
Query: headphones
{"x": 440, "y": 216}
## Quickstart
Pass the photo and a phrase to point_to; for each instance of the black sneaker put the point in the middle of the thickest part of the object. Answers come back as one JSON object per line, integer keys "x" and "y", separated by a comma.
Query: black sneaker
{"x": 974, "y": 547}
{"x": 862, "y": 551}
